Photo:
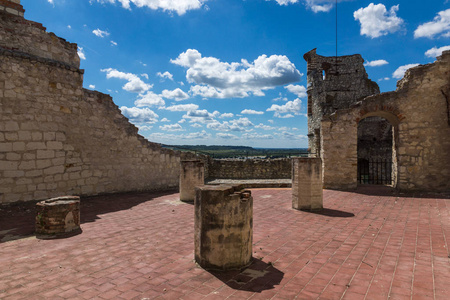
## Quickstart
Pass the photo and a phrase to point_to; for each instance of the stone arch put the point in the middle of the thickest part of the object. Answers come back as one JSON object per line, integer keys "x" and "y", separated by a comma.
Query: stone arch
{"x": 394, "y": 118}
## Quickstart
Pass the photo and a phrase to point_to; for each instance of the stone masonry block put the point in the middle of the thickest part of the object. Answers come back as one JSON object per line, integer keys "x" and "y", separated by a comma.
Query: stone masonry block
{"x": 192, "y": 174}
{"x": 307, "y": 186}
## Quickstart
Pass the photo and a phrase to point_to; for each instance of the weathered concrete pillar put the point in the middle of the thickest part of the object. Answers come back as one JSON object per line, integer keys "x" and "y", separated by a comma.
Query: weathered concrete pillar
{"x": 192, "y": 174}
{"x": 58, "y": 215}
{"x": 307, "y": 186}
{"x": 223, "y": 227}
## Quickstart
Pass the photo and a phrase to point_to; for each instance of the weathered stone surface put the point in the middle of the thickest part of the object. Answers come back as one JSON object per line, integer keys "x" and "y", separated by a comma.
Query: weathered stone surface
{"x": 192, "y": 174}
{"x": 58, "y": 215}
{"x": 223, "y": 227}
{"x": 307, "y": 190}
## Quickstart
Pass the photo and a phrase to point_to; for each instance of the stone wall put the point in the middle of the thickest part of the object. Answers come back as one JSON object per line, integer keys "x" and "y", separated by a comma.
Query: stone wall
{"x": 419, "y": 111}
{"x": 249, "y": 168}
{"x": 333, "y": 83}
{"x": 57, "y": 138}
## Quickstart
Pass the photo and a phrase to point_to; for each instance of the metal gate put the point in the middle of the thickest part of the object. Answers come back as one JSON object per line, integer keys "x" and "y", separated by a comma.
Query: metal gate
{"x": 375, "y": 171}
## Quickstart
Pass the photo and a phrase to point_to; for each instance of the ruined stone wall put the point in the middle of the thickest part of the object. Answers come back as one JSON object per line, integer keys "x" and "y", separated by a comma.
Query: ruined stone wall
{"x": 249, "y": 168}
{"x": 333, "y": 83}
{"x": 57, "y": 138}
{"x": 419, "y": 111}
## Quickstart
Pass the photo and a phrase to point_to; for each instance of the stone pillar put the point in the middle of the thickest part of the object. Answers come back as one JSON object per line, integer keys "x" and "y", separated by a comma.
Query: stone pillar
{"x": 307, "y": 186}
{"x": 223, "y": 227}
{"x": 58, "y": 215}
{"x": 192, "y": 174}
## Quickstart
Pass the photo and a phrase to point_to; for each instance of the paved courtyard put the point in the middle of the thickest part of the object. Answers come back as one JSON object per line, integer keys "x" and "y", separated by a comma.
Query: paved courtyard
{"x": 364, "y": 245}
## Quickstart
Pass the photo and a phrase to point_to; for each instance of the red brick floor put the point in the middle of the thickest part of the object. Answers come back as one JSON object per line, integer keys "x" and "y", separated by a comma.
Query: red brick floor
{"x": 364, "y": 245}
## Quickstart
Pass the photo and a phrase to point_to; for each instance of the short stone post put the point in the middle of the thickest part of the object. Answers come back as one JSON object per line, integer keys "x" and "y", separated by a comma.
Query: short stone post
{"x": 192, "y": 174}
{"x": 58, "y": 215}
{"x": 307, "y": 186}
{"x": 223, "y": 227}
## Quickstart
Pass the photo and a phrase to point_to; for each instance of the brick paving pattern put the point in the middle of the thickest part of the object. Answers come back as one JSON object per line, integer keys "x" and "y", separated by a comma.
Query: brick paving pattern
{"x": 364, "y": 245}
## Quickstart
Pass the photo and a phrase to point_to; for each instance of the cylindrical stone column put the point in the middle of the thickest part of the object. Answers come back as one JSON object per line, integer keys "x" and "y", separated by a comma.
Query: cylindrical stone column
{"x": 307, "y": 186}
{"x": 223, "y": 227}
{"x": 192, "y": 174}
{"x": 58, "y": 215}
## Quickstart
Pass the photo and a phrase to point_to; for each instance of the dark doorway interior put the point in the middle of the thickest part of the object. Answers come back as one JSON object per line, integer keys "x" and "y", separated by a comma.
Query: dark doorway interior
{"x": 375, "y": 144}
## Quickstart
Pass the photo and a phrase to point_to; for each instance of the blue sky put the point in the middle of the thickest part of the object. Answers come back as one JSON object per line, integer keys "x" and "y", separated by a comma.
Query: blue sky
{"x": 231, "y": 72}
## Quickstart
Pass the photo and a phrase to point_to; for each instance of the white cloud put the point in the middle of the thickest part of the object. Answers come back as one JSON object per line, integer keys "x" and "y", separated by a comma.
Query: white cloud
{"x": 384, "y": 79}
{"x": 226, "y": 136}
{"x": 256, "y": 136}
{"x": 149, "y": 99}
{"x": 91, "y": 86}
{"x": 182, "y": 107}
{"x": 270, "y": 121}
{"x": 144, "y": 75}
{"x": 264, "y": 127}
{"x": 290, "y": 108}
{"x": 166, "y": 75}
{"x": 144, "y": 127}
{"x": 165, "y": 120}
{"x": 285, "y": 2}
{"x": 81, "y": 53}
{"x": 203, "y": 135}
{"x": 100, "y": 33}
{"x": 376, "y": 21}
{"x": 216, "y": 79}
{"x": 291, "y": 136}
{"x": 400, "y": 72}
{"x": 50, "y": 1}
{"x": 298, "y": 90}
{"x": 195, "y": 125}
{"x": 113, "y": 43}
{"x": 171, "y": 127}
{"x": 134, "y": 84}
{"x": 241, "y": 124}
{"x": 68, "y": 26}
{"x": 435, "y": 52}
{"x": 177, "y": 94}
{"x": 251, "y": 112}
{"x": 226, "y": 115}
{"x": 178, "y": 6}
{"x": 376, "y": 63}
{"x": 201, "y": 116}
{"x": 182, "y": 121}
{"x": 139, "y": 115}
{"x": 439, "y": 26}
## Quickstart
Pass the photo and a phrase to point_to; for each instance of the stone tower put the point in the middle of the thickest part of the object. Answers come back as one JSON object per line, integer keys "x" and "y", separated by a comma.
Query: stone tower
{"x": 333, "y": 83}
{"x": 12, "y": 7}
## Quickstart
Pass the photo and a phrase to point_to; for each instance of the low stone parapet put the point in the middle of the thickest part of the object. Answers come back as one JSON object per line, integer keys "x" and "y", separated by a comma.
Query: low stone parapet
{"x": 223, "y": 227}
{"x": 307, "y": 185}
{"x": 58, "y": 216}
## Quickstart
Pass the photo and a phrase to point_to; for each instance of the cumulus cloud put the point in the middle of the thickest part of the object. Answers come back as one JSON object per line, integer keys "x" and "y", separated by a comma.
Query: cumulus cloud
{"x": 149, "y": 99}
{"x": 440, "y": 26}
{"x": 134, "y": 84}
{"x": 139, "y": 115}
{"x": 291, "y": 136}
{"x": 287, "y": 110}
{"x": 201, "y": 116}
{"x": 227, "y": 136}
{"x": 144, "y": 75}
{"x": 180, "y": 7}
{"x": 171, "y": 127}
{"x": 376, "y": 21}
{"x": 81, "y": 53}
{"x": 251, "y": 112}
{"x": 285, "y": 2}
{"x": 226, "y": 115}
{"x": 264, "y": 127}
{"x": 177, "y": 94}
{"x": 113, "y": 43}
{"x": 91, "y": 86}
{"x": 165, "y": 75}
{"x": 400, "y": 72}
{"x": 298, "y": 90}
{"x": 144, "y": 127}
{"x": 195, "y": 125}
{"x": 384, "y": 79}
{"x": 216, "y": 79}
{"x": 256, "y": 136}
{"x": 182, "y": 107}
{"x": 435, "y": 52}
{"x": 165, "y": 120}
{"x": 241, "y": 124}
{"x": 376, "y": 63}
{"x": 100, "y": 33}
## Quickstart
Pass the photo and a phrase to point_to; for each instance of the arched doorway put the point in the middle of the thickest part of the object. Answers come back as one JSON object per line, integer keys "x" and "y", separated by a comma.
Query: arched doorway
{"x": 376, "y": 150}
